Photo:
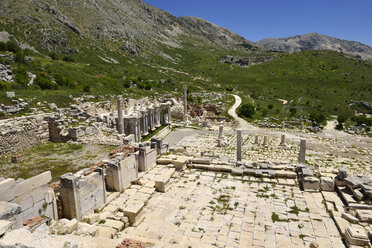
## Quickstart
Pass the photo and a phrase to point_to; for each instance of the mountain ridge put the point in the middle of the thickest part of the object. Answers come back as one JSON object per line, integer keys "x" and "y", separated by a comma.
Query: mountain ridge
{"x": 315, "y": 41}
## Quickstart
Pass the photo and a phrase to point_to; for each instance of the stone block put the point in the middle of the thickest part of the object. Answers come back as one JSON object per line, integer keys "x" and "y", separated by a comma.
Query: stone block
{"x": 356, "y": 236}
{"x": 118, "y": 225}
{"x": 180, "y": 163}
{"x": 32, "y": 183}
{"x": 92, "y": 218}
{"x": 85, "y": 229}
{"x": 364, "y": 215}
{"x": 327, "y": 184}
{"x": 146, "y": 158}
{"x": 134, "y": 212}
{"x": 7, "y": 189}
{"x": 357, "y": 193}
{"x": 350, "y": 218}
{"x": 310, "y": 183}
{"x": 5, "y": 226}
{"x": 71, "y": 225}
{"x": 106, "y": 232}
{"x": 164, "y": 161}
{"x": 201, "y": 160}
{"x": 9, "y": 210}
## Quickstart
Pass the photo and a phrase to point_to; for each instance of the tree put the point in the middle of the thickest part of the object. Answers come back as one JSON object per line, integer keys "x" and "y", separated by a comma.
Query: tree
{"x": 247, "y": 110}
{"x": 318, "y": 118}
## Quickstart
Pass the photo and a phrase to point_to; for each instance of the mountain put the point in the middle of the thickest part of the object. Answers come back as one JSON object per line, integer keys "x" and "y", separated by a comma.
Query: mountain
{"x": 52, "y": 23}
{"x": 315, "y": 41}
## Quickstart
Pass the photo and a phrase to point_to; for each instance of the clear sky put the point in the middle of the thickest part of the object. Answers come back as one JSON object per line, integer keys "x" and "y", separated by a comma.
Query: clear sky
{"x": 259, "y": 19}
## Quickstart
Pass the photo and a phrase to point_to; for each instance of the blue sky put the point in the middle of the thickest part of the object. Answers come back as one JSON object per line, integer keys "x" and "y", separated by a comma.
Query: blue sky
{"x": 255, "y": 20}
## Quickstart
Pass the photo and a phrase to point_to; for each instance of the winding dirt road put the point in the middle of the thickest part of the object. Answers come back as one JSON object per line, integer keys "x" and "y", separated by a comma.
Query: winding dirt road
{"x": 242, "y": 124}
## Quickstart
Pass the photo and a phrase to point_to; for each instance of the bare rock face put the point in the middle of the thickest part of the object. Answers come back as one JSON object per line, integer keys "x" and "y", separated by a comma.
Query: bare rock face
{"x": 315, "y": 41}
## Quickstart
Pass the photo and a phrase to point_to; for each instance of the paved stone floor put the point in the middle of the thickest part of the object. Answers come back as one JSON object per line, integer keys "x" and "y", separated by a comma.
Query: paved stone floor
{"x": 207, "y": 209}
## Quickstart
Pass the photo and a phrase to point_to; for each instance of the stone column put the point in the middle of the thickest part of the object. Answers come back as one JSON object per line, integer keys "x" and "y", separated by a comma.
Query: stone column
{"x": 185, "y": 116}
{"x": 301, "y": 156}
{"x": 282, "y": 141}
{"x": 256, "y": 139}
{"x": 120, "y": 115}
{"x": 220, "y": 135}
{"x": 265, "y": 140}
{"x": 239, "y": 145}
{"x": 169, "y": 113}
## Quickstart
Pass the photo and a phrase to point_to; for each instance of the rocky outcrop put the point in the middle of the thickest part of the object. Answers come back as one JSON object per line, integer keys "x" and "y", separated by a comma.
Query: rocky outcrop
{"x": 247, "y": 61}
{"x": 315, "y": 41}
{"x": 6, "y": 73}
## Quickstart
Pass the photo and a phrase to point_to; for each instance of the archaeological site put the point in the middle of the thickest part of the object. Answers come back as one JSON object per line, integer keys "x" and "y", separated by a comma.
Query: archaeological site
{"x": 141, "y": 124}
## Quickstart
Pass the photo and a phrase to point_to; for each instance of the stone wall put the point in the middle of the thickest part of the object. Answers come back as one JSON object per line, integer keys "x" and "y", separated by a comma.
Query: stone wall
{"x": 120, "y": 173}
{"x": 146, "y": 158}
{"x": 22, "y": 132}
{"x": 81, "y": 193}
{"x": 33, "y": 196}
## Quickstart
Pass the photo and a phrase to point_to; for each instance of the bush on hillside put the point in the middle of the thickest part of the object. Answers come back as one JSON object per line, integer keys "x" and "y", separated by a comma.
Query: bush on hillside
{"x": 318, "y": 118}
{"x": 12, "y": 46}
{"x": 247, "y": 110}
{"x": 21, "y": 76}
{"x": 44, "y": 82}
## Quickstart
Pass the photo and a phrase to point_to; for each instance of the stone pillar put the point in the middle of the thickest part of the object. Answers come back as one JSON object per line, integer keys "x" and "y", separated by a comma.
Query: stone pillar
{"x": 220, "y": 135}
{"x": 265, "y": 140}
{"x": 120, "y": 115}
{"x": 301, "y": 156}
{"x": 256, "y": 139}
{"x": 169, "y": 113}
{"x": 239, "y": 145}
{"x": 185, "y": 116}
{"x": 162, "y": 117}
{"x": 282, "y": 141}
{"x": 302, "y": 125}
{"x": 283, "y": 125}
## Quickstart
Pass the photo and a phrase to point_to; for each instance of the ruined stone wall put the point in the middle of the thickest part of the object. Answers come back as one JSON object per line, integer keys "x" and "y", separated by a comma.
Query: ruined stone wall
{"x": 22, "y": 132}
{"x": 82, "y": 192}
{"x": 33, "y": 196}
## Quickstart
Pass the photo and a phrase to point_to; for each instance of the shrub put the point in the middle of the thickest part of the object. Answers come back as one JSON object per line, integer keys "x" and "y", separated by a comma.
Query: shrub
{"x": 318, "y": 118}
{"x": 2, "y": 46}
{"x": 12, "y": 46}
{"x": 21, "y": 76}
{"x": 247, "y": 110}
{"x": 293, "y": 111}
{"x": 53, "y": 55}
{"x": 44, "y": 82}
{"x": 270, "y": 106}
{"x": 68, "y": 59}
{"x": 5, "y": 85}
{"x": 20, "y": 57}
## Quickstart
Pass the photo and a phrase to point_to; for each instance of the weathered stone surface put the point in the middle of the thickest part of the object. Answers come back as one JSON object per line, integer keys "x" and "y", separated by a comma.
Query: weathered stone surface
{"x": 134, "y": 212}
{"x": 356, "y": 236}
{"x": 106, "y": 232}
{"x": 327, "y": 184}
{"x": 32, "y": 183}
{"x": 7, "y": 189}
{"x": 364, "y": 215}
{"x": 5, "y": 226}
{"x": 8, "y": 210}
{"x": 118, "y": 225}
{"x": 310, "y": 183}
{"x": 350, "y": 218}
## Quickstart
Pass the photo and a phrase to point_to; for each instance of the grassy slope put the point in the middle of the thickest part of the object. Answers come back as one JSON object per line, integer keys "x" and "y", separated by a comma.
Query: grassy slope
{"x": 320, "y": 80}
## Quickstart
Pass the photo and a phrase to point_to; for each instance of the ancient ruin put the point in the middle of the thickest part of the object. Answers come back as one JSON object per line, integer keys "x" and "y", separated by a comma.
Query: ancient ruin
{"x": 165, "y": 184}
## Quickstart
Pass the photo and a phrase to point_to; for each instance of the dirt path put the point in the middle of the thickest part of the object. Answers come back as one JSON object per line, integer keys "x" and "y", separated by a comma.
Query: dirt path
{"x": 242, "y": 124}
